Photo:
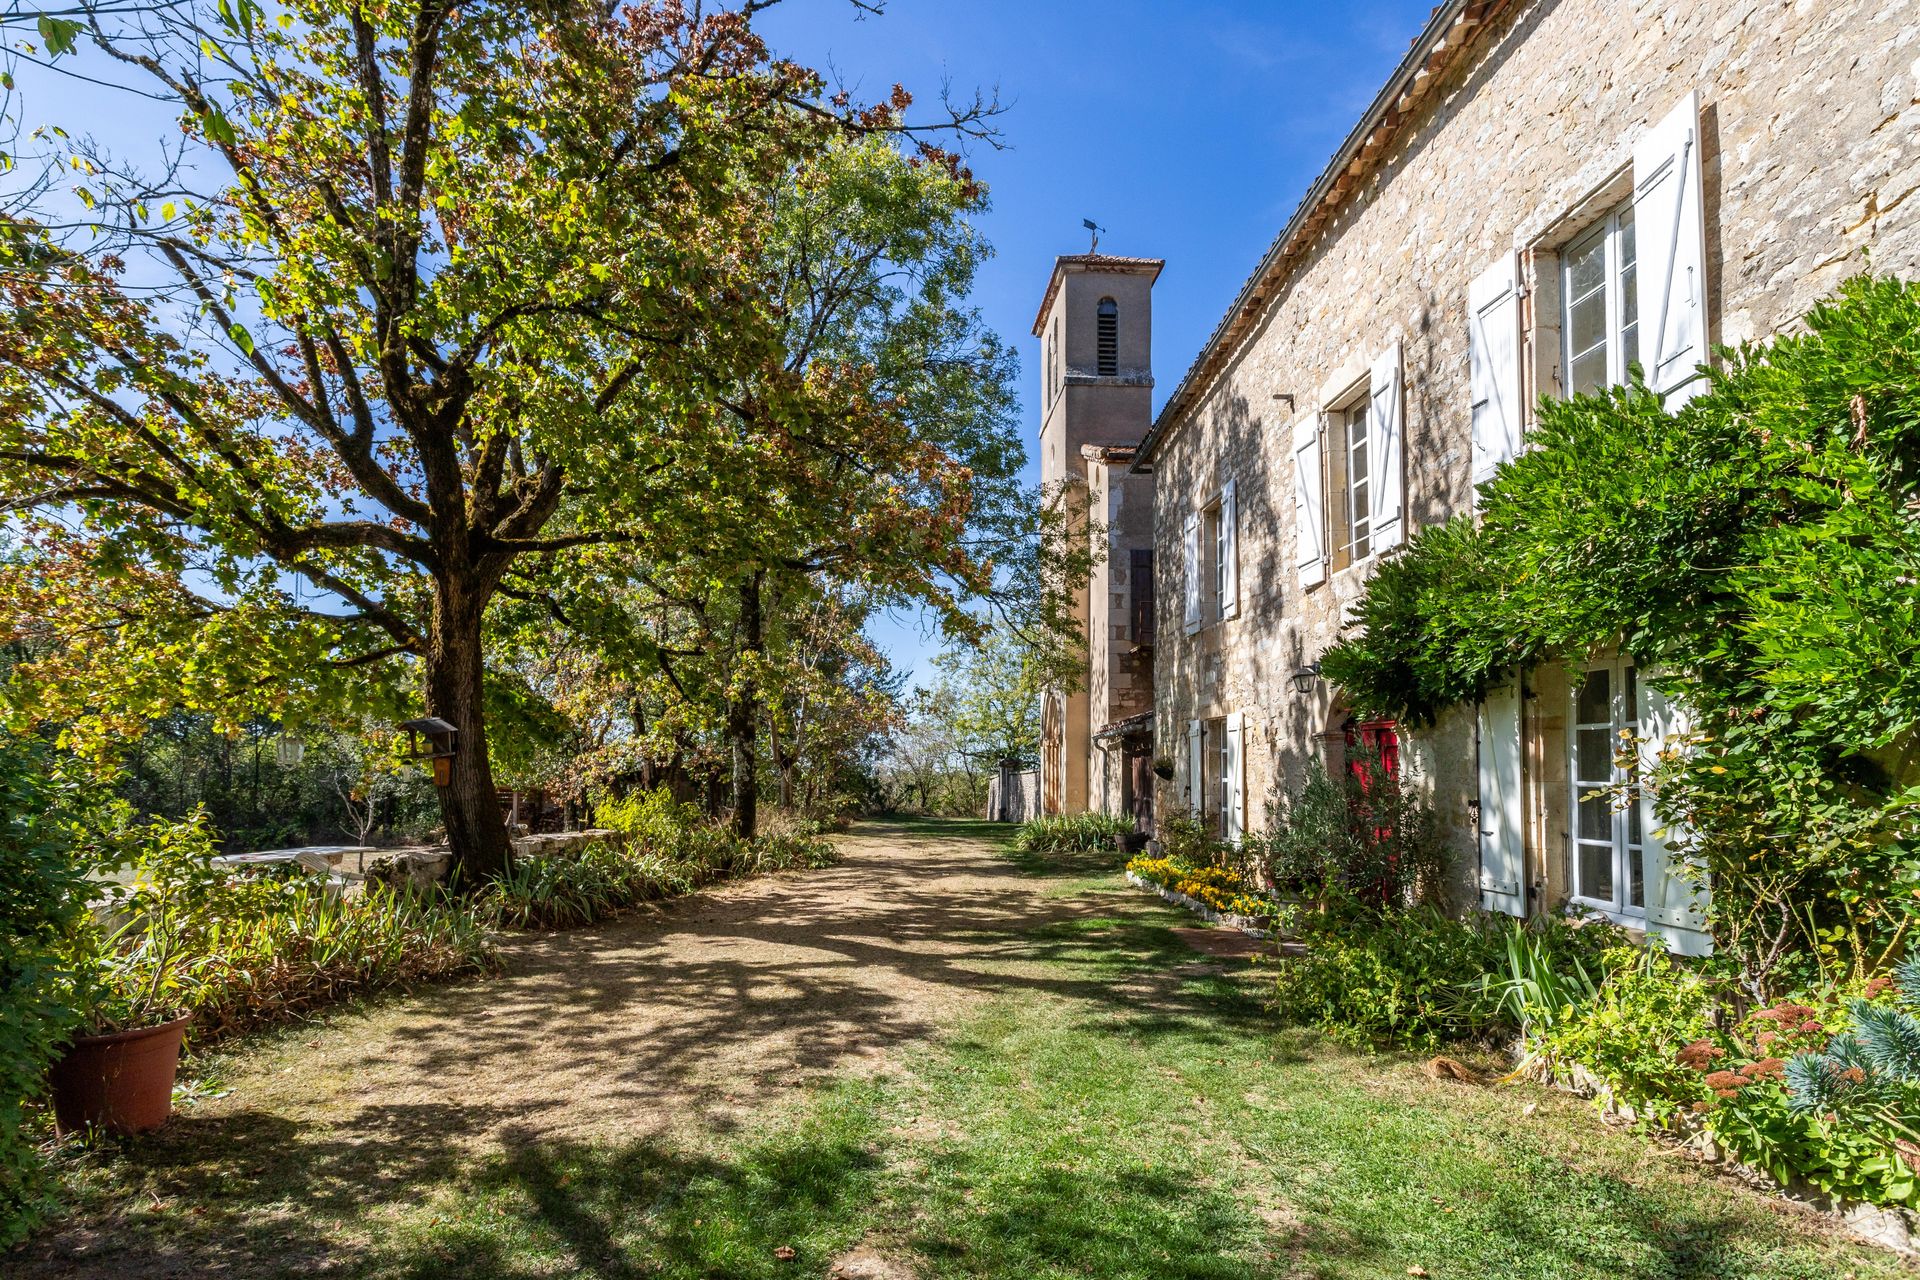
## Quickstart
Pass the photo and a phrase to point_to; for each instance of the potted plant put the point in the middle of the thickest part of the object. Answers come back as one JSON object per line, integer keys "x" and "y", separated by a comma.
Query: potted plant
{"x": 117, "y": 1073}
{"x": 1163, "y": 768}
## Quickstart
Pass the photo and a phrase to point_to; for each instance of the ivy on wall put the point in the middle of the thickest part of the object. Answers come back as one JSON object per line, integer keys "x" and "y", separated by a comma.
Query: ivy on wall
{"x": 1757, "y": 551}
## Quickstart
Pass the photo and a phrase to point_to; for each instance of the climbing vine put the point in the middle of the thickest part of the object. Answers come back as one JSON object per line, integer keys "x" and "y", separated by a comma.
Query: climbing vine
{"x": 1757, "y": 551}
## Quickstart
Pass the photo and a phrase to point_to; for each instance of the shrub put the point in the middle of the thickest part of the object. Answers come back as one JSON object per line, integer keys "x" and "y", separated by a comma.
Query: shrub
{"x": 1071, "y": 833}
{"x": 1770, "y": 1088}
{"x": 1410, "y": 978}
{"x": 1361, "y": 835}
{"x": 1649, "y": 1007}
{"x": 1417, "y": 977}
{"x": 242, "y": 951}
{"x": 666, "y": 849}
{"x": 43, "y": 895}
{"x": 1189, "y": 838}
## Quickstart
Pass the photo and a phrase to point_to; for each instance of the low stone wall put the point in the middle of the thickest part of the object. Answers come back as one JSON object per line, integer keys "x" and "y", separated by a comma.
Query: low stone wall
{"x": 565, "y": 843}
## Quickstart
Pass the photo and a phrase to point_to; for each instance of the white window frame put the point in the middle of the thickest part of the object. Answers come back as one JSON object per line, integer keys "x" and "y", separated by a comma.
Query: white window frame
{"x": 1221, "y": 754}
{"x": 1357, "y": 498}
{"x": 1626, "y": 840}
{"x": 1610, "y": 232}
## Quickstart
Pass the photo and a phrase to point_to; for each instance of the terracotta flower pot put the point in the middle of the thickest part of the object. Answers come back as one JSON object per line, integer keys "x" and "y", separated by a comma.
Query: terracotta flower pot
{"x": 122, "y": 1082}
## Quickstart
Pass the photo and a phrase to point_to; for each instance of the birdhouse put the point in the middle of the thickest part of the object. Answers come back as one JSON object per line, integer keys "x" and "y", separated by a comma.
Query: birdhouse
{"x": 440, "y": 738}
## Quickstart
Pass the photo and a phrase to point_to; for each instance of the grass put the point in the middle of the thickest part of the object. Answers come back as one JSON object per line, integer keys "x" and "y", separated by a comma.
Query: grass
{"x": 1125, "y": 1110}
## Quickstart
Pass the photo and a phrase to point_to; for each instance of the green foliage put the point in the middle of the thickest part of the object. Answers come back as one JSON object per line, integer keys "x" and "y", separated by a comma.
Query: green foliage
{"x": 1071, "y": 833}
{"x": 1755, "y": 551}
{"x": 43, "y": 895}
{"x": 1408, "y": 978}
{"x": 241, "y": 951}
{"x": 1544, "y": 985}
{"x": 1418, "y": 977}
{"x": 1189, "y": 838}
{"x": 1361, "y": 836}
{"x": 1779, "y": 1090}
{"x": 665, "y": 849}
{"x": 1649, "y": 1007}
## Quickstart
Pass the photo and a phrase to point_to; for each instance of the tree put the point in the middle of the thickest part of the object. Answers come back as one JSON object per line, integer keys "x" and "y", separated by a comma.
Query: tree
{"x": 477, "y": 296}
{"x": 993, "y": 694}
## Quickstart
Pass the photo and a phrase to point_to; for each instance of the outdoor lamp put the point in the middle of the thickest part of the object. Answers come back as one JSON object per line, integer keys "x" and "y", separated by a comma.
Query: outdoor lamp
{"x": 440, "y": 736}
{"x": 289, "y": 751}
{"x": 1303, "y": 678}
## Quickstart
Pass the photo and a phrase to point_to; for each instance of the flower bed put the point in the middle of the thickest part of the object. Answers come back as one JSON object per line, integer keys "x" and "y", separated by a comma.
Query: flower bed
{"x": 1219, "y": 892}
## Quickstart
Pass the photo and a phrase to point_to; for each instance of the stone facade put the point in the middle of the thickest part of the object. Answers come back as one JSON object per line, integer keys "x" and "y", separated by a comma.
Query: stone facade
{"x": 1095, "y": 327}
{"x": 1510, "y": 129}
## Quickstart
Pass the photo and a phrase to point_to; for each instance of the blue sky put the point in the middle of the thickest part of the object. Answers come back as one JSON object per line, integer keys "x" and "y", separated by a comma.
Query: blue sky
{"x": 1188, "y": 130}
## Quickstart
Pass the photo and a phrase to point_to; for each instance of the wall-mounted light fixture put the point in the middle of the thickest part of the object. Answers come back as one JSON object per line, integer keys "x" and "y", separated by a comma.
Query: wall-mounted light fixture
{"x": 1305, "y": 678}
{"x": 440, "y": 737}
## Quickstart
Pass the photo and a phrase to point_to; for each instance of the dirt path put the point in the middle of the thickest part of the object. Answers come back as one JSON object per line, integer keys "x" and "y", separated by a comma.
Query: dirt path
{"x": 689, "y": 1014}
{"x": 697, "y": 1007}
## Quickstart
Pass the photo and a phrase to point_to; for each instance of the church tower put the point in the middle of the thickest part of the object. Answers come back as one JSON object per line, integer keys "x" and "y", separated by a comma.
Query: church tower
{"x": 1095, "y": 328}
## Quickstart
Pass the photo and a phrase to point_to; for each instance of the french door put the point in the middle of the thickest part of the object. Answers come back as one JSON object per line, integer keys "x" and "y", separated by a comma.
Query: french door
{"x": 1609, "y": 844}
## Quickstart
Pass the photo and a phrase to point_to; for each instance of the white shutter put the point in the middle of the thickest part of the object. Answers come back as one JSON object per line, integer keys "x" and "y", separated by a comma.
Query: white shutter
{"x": 1503, "y": 864}
{"x": 1385, "y": 450}
{"x": 1493, "y": 343}
{"x": 1229, "y": 552}
{"x": 1196, "y": 767}
{"x": 1190, "y": 551}
{"x": 1234, "y": 766}
{"x": 1676, "y": 896}
{"x": 1309, "y": 503}
{"x": 1670, "y": 243}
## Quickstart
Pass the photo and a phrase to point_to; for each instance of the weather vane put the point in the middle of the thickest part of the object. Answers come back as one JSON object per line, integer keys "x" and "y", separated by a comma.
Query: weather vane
{"x": 1094, "y": 227}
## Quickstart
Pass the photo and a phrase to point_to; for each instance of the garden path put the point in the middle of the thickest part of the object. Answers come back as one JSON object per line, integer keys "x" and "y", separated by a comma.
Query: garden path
{"x": 691, "y": 1010}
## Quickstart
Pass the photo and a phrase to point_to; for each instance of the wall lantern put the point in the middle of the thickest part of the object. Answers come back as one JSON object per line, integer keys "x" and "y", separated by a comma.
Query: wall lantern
{"x": 289, "y": 751}
{"x": 1304, "y": 678}
{"x": 440, "y": 736}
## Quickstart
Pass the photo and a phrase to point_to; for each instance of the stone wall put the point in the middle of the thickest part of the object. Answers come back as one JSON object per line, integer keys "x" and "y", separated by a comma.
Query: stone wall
{"x": 1013, "y": 795}
{"x": 1808, "y": 118}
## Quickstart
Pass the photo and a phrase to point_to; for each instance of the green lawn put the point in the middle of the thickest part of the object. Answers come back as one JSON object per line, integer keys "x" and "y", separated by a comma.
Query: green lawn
{"x": 1126, "y": 1110}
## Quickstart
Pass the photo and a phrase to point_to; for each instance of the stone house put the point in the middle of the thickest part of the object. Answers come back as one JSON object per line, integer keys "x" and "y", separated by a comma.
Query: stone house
{"x": 1544, "y": 192}
{"x": 1095, "y": 327}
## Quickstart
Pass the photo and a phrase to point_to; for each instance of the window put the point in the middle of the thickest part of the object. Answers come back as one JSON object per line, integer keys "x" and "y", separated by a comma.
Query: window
{"x": 1358, "y": 492}
{"x": 1600, "y": 284}
{"x": 1216, "y": 544}
{"x": 1609, "y": 849}
{"x": 1053, "y": 363}
{"x": 1140, "y": 579}
{"x": 1220, "y": 764}
{"x": 1351, "y": 476}
{"x": 1108, "y": 346}
{"x": 1211, "y": 560}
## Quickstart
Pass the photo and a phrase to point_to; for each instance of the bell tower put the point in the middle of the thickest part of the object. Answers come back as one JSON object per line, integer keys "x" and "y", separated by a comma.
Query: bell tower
{"x": 1095, "y": 329}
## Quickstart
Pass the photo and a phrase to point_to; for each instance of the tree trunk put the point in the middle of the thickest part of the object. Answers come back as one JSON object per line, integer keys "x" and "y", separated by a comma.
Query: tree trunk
{"x": 783, "y": 764}
{"x": 743, "y": 717}
{"x": 456, "y": 670}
